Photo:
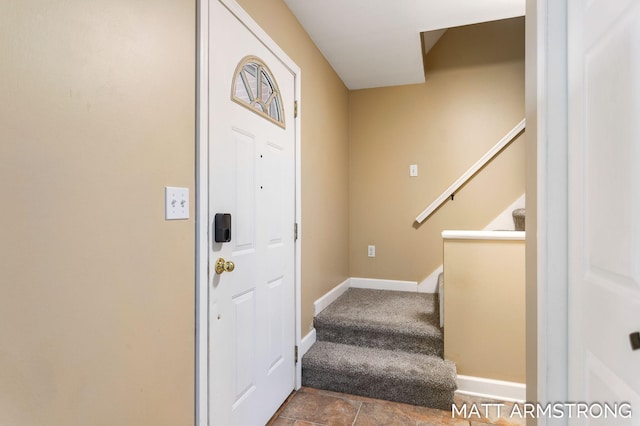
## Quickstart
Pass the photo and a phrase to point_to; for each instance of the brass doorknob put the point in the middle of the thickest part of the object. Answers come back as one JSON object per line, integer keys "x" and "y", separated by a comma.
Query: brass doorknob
{"x": 224, "y": 266}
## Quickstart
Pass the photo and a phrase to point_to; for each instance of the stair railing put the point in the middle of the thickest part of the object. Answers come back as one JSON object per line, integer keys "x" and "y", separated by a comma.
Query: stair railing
{"x": 451, "y": 190}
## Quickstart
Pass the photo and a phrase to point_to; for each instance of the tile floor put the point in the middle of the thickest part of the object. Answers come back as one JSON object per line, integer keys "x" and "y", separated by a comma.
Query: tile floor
{"x": 313, "y": 407}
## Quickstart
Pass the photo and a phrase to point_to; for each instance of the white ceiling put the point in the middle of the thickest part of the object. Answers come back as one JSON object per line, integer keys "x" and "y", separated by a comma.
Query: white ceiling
{"x": 376, "y": 43}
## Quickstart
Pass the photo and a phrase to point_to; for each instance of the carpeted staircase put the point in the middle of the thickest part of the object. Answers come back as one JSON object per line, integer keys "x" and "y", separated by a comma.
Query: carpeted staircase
{"x": 386, "y": 345}
{"x": 382, "y": 344}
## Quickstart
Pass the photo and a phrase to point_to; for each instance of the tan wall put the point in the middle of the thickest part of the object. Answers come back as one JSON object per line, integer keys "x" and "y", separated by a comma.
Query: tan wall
{"x": 96, "y": 289}
{"x": 325, "y": 156}
{"x": 484, "y": 308}
{"x": 473, "y": 96}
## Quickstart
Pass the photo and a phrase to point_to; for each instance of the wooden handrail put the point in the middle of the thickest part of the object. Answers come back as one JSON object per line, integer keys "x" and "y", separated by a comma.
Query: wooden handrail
{"x": 450, "y": 191}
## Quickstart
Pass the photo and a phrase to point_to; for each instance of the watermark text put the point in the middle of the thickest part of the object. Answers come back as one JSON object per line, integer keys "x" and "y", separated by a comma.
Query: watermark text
{"x": 555, "y": 410}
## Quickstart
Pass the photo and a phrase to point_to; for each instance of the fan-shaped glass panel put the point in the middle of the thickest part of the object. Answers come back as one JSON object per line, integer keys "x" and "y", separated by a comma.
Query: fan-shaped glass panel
{"x": 255, "y": 88}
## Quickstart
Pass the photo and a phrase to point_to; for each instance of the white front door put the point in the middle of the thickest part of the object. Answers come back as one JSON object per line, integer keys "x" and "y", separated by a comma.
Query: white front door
{"x": 252, "y": 178}
{"x": 604, "y": 204}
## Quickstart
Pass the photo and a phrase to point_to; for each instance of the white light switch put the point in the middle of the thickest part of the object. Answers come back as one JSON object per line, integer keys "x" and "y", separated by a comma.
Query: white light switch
{"x": 176, "y": 203}
{"x": 371, "y": 251}
{"x": 413, "y": 170}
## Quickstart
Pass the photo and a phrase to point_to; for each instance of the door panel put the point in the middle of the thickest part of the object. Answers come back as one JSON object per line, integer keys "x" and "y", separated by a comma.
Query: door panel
{"x": 243, "y": 227}
{"x": 245, "y": 337}
{"x": 276, "y": 325}
{"x": 604, "y": 202}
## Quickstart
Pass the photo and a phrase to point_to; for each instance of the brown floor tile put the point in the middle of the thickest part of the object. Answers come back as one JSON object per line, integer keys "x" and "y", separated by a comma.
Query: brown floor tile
{"x": 432, "y": 416}
{"x": 277, "y": 414}
{"x": 350, "y": 397}
{"x": 281, "y": 421}
{"x": 424, "y": 416}
{"x": 375, "y": 414}
{"x": 441, "y": 422}
{"x": 383, "y": 413}
{"x": 321, "y": 409}
{"x": 501, "y": 422}
{"x": 310, "y": 406}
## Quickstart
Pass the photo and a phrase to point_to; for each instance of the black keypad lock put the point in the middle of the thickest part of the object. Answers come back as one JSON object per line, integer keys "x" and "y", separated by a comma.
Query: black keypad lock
{"x": 222, "y": 227}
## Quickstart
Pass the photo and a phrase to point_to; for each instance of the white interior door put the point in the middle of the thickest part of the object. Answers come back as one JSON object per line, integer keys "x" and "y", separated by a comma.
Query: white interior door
{"x": 252, "y": 178}
{"x": 604, "y": 203}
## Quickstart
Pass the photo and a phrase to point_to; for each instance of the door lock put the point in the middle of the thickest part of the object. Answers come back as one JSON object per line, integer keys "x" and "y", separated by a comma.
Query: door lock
{"x": 635, "y": 340}
{"x": 224, "y": 266}
{"x": 222, "y": 228}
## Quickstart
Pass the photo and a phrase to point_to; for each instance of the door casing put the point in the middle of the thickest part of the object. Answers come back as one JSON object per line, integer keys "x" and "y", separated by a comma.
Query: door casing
{"x": 547, "y": 206}
{"x": 202, "y": 197}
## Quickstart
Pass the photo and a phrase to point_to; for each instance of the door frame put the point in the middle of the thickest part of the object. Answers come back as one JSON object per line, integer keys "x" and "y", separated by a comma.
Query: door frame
{"x": 202, "y": 198}
{"x": 547, "y": 301}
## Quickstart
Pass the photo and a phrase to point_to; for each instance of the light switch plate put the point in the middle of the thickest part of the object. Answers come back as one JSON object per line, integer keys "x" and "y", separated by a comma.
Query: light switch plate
{"x": 413, "y": 170}
{"x": 176, "y": 203}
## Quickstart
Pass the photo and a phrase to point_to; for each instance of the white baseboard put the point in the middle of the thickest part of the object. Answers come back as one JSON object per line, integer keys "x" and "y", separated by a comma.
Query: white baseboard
{"x": 306, "y": 343}
{"x": 492, "y": 389}
{"x": 376, "y": 284}
{"x": 330, "y": 297}
{"x": 430, "y": 284}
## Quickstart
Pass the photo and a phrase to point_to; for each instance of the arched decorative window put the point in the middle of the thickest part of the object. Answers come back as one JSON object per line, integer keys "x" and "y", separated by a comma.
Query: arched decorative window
{"x": 255, "y": 88}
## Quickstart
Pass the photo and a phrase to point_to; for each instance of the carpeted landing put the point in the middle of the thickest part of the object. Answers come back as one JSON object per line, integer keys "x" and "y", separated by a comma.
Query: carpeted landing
{"x": 382, "y": 344}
